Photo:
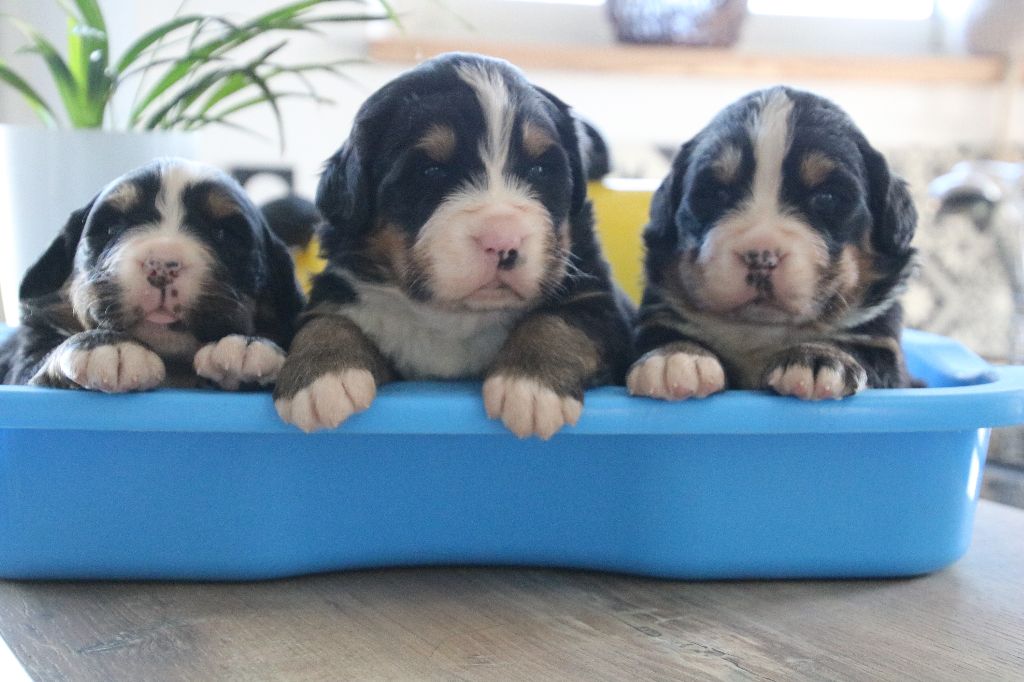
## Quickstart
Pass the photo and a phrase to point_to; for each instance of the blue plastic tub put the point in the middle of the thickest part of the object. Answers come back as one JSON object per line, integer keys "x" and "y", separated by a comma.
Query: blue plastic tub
{"x": 208, "y": 485}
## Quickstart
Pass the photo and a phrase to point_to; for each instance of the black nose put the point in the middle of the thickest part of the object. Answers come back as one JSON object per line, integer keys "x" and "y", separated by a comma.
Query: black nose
{"x": 507, "y": 259}
{"x": 761, "y": 260}
{"x": 161, "y": 273}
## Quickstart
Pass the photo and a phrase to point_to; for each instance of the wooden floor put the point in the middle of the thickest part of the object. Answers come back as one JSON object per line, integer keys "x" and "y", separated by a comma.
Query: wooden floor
{"x": 965, "y": 623}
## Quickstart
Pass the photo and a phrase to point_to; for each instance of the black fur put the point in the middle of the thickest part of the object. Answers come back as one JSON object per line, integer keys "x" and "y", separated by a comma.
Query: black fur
{"x": 380, "y": 183}
{"x": 858, "y": 204}
{"x": 251, "y": 289}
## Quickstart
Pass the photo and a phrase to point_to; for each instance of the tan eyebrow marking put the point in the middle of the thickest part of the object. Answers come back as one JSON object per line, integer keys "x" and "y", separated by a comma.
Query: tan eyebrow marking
{"x": 726, "y": 167}
{"x": 221, "y": 204}
{"x": 438, "y": 142}
{"x": 124, "y": 197}
{"x": 815, "y": 167}
{"x": 535, "y": 140}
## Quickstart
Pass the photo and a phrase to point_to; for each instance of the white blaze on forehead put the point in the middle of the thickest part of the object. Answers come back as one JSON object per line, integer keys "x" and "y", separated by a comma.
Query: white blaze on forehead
{"x": 176, "y": 176}
{"x": 498, "y": 107}
{"x": 770, "y": 134}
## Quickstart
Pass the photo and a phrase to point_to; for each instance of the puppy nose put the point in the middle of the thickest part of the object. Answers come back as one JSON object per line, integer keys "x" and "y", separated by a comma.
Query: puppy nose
{"x": 502, "y": 243}
{"x": 761, "y": 259}
{"x": 162, "y": 272}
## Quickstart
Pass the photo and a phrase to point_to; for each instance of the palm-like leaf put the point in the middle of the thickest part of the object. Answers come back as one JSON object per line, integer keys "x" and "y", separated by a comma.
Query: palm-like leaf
{"x": 202, "y": 84}
{"x": 34, "y": 100}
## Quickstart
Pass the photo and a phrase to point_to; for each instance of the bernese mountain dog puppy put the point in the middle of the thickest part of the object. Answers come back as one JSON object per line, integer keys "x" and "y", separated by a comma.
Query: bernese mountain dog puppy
{"x": 775, "y": 254}
{"x": 461, "y": 245}
{"x": 169, "y": 276}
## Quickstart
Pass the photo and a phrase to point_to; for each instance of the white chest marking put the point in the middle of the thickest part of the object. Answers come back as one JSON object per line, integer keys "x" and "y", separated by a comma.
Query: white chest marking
{"x": 424, "y": 342}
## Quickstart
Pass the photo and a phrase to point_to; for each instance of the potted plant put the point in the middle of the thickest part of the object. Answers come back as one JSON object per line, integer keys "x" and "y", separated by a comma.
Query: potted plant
{"x": 190, "y": 72}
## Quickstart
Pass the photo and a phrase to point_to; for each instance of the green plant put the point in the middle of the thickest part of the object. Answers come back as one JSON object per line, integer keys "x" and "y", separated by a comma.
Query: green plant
{"x": 187, "y": 71}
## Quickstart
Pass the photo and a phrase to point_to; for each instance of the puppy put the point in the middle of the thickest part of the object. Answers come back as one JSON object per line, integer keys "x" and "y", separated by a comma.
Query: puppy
{"x": 460, "y": 245}
{"x": 776, "y": 250}
{"x": 169, "y": 275}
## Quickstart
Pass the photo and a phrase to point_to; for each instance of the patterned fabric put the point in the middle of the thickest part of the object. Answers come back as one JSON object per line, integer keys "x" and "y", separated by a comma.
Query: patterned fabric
{"x": 964, "y": 286}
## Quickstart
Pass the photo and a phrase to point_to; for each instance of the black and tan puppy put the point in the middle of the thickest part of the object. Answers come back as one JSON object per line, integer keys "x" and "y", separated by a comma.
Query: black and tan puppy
{"x": 776, "y": 250}
{"x": 169, "y": 275}
{"x": 461, "y": 245}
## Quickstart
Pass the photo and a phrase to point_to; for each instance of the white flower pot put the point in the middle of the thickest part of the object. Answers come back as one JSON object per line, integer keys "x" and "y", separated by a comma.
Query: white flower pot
{"x": 47, "y": 174}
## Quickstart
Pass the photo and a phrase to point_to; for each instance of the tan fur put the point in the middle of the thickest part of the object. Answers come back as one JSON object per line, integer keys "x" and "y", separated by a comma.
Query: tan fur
{"x": 388, "y": 247}
{"x": 815, "y": 167}
{"x": 328, "y": 342}
{"x": 727, "y": 165}
{"x": 123, "y": 197}
{"x": 438, "y": 142}
{"x": 535, "y": 140}
{"x": 567, "y": 355}
{"x": 220, "y": 204}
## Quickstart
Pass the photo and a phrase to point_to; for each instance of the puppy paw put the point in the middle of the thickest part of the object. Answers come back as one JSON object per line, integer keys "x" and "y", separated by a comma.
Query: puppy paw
{"x": 675, "y": 375}
{"x": 815, "y": 372}
{"x": 112, "y": 368}
{"x": 237, "y": 360}
{"x": 329, "y": 400}
{"x": 529, "y": 408}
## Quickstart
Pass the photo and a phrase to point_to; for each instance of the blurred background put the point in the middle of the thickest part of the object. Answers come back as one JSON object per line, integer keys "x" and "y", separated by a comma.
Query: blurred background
{"x": 931, "y": 82}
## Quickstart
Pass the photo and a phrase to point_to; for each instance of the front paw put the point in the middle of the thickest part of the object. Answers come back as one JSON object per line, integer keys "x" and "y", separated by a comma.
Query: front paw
{"x": 675, "y": 374}
{"x": 814, "y": 372}
{"x": 237, "y": 360}
{"x": 329, "y": 400}
{"x": 528, "y": 407}
{"x": 111, "y": 368}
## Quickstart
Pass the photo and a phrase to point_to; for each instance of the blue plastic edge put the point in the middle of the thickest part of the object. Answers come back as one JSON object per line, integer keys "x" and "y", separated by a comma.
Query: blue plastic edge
{"x": 982, "y": 396}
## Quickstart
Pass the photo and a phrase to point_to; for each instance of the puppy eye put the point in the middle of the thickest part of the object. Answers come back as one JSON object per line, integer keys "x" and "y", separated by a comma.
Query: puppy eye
{"x": 434, "y": 172}
{"x": 537, "y": 171}
{"x": 823, "y": 203}
{"x": 723, "y": 195}
{"x": 220, "y": 234}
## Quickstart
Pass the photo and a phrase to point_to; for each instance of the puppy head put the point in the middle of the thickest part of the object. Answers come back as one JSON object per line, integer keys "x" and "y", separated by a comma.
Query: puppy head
{"x": 781, "y": 212}
{"x": 173, "y": 245}
{"x": 456, "y": 185}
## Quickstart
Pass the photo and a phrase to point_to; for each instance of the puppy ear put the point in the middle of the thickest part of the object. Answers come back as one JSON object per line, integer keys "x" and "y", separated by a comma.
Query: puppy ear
{"x": 48, "y": 274}
{"x": 343, "y": 197}
{"x": 566, "y": 123}
{"x": 662, "y": 232}
{"x": 280, "y": 300}
{"x": 597, "y": 160}
{"x": 892, "y": 209}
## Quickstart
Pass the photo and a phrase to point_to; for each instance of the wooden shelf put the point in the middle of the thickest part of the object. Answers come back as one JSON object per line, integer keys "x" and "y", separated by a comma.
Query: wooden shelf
{"x": 709, "y": 63}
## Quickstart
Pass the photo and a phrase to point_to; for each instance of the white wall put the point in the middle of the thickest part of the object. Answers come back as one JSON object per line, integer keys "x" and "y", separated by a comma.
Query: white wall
{"x": 635, "y": 112}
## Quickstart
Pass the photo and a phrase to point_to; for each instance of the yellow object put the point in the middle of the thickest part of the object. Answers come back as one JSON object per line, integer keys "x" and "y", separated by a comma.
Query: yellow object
{"x": 308, "y": 263}
{"x": 620, "y": 207}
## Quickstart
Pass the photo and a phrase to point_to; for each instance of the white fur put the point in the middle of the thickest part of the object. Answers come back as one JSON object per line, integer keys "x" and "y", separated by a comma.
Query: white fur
{"x": 176, "y": 175}
{"x": 499, "y": 110}
{"x": 458, "y": 267}
{"x": 529, "y": 408}
{"x": 163, "y": 240}
{"x": 760, "y": 224}
{"x": 329, "y": 400}
{"x": 236, "y": 360}
{"x": 427, "y": 342}
{"x": 800, "y": 381}
{"x": 771, "y": 136}
{"x": 676, "y": 376}
{"x": 116, "y": 368}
